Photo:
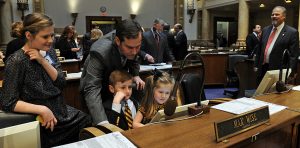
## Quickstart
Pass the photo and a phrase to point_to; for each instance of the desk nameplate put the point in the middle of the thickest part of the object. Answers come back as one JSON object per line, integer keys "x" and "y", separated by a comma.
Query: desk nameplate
{"x": 241, "y": 123}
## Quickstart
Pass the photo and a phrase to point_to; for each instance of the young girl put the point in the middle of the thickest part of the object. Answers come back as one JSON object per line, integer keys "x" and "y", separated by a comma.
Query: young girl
{"x": 158, "y": 89}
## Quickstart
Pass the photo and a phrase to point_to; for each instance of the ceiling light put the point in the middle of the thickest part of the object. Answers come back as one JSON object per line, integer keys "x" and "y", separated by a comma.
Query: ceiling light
{"x": 288, "y": 1}
{"x": 262, "y": 5}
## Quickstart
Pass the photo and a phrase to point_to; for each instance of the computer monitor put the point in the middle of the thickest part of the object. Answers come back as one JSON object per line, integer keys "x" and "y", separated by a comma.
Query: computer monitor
{"x": 180, "y": 111}
{"x": 21, "y": 136}
{"x": 268, "y": 82}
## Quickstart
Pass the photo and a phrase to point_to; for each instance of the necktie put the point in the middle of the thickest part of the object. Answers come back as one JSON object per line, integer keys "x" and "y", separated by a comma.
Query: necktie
{"x": 128, "y": 115}
{"x": 271, "y": 37}
{"x": 156, "y": 36}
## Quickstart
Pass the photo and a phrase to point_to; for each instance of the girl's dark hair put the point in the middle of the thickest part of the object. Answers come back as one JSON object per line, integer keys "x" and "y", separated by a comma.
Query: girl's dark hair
{"x": 129, "y": 29}
{"x": 35, "y": 22}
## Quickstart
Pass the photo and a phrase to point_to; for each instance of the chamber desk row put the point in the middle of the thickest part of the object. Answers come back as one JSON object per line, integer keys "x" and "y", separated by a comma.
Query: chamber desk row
{"x": 280, "y": 131}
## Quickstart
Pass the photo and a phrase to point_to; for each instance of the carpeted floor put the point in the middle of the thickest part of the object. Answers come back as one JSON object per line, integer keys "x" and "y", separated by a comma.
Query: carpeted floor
{"x": 212, "y": 93}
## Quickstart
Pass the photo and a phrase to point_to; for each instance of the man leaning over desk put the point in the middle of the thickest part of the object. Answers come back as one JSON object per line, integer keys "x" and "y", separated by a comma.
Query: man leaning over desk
{"x": 155, "y": 47}
{"x": 106, "y": 55}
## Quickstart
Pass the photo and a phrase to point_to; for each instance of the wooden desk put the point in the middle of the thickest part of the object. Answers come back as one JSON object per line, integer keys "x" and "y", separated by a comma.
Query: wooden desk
{"x": 199, "y": 132}
{"x": 215, "y": 68}
{"x": 71, "y": 65}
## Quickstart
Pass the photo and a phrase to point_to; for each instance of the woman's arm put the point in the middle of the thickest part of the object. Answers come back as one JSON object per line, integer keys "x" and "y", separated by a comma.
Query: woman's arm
{"x": 34, "y": 54}
{"x": 49, "y": 120}
{"x": 137, "y": 120}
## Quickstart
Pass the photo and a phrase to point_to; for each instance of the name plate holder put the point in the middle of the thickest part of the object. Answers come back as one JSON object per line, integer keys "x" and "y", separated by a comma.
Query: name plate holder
{"x": 241, "y": 123}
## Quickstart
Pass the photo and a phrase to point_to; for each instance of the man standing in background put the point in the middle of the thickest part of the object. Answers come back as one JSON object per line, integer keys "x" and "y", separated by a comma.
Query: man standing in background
{"x": 155, "y": 47}
{"x": 252, "y": 41}
{"x": 274, "y": 40}
{"x": 180, "y": 49}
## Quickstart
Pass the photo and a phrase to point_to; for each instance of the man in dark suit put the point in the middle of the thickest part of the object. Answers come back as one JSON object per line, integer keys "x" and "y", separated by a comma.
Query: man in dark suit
{"x": 115, "y": 51}
{"x": 180, "y": 49}
{"x": 154, "y": 47}
{"x": 170, "y": 36}
{"x": 252, "y": 41}
{"x": 274, "y": 40}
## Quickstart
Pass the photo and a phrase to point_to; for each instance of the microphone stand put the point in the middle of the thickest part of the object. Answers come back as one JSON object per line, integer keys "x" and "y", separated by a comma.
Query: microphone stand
{"x": 171, "y": 104}
{"x": 198, "y": 108}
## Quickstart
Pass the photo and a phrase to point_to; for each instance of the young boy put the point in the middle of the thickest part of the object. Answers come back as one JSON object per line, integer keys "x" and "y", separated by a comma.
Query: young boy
{"x": 123, "y": 108}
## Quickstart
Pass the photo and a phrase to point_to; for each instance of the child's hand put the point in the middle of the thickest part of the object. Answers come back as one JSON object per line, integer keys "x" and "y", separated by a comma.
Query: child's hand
{"x": 119, "y": 97}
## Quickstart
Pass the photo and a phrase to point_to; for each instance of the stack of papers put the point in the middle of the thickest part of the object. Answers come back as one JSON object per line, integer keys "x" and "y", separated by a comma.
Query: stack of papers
{"x": 243, "y": 105}
{"x": 115, "y": 139}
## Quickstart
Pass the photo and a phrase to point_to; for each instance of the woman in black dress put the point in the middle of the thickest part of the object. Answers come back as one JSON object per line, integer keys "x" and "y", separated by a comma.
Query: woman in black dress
{"x": 33, "y": 84}
{"x": 66, "y": 43}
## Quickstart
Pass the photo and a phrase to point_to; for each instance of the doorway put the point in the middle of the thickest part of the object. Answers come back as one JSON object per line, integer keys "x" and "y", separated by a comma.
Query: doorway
{"x": 225, "y": 31}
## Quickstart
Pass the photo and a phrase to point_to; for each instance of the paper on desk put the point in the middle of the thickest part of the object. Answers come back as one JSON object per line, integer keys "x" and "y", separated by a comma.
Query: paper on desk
{"x": 243, "y": 105}
{"x": 151, "y": 67}
{"x": 115, "y": 140}
{"x": 76, "y": 75}
{"x": 297, "y": 88}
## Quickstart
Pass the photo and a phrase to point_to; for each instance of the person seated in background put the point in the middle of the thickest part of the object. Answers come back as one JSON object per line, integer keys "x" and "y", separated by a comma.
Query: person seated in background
{"x": 157, "y": 91}
{"x": 123, "y": 108}
{"x": 16, "y": 43}
{"x": 66, "y": 43}
{"x": 33, "y": 84}
{"x": 155, "y": 47}
{"x": 94, "y": 36}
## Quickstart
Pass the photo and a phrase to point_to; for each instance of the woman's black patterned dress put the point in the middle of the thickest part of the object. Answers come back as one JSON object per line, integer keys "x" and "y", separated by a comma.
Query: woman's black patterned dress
{"x": 28, "y": 81}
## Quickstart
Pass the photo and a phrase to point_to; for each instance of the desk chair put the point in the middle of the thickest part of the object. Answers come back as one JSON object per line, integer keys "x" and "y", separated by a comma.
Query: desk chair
{"x": 232, "y": 78}
{"x": 247, "y": 77}
{"x": 191, "y": 86}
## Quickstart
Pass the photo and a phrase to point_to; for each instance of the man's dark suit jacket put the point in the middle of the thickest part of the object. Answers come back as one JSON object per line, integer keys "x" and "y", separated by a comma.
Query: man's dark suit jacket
{"x": 160, "y": 53}
{"x": 119, "y": 119}
{"x": 252, "y": 43}
{"x": 288, "y": 38}
{"x": 180, "y": 50}
{"x": 103, "y": 59}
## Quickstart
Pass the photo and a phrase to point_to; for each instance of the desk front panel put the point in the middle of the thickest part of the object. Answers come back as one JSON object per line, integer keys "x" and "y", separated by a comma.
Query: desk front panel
{"x": 199, "y": 132}
{"x": 215, "y": 68}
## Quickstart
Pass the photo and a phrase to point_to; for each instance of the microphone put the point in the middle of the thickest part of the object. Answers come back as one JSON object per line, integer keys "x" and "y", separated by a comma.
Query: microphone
{"x": 280, "y": 85}
{"x": 171, "y": 103}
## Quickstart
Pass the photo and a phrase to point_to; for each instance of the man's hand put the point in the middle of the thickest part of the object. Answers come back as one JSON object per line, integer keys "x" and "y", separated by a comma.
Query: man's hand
{"x": 140, "y": 84}
{"x": 149, "y": 58}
